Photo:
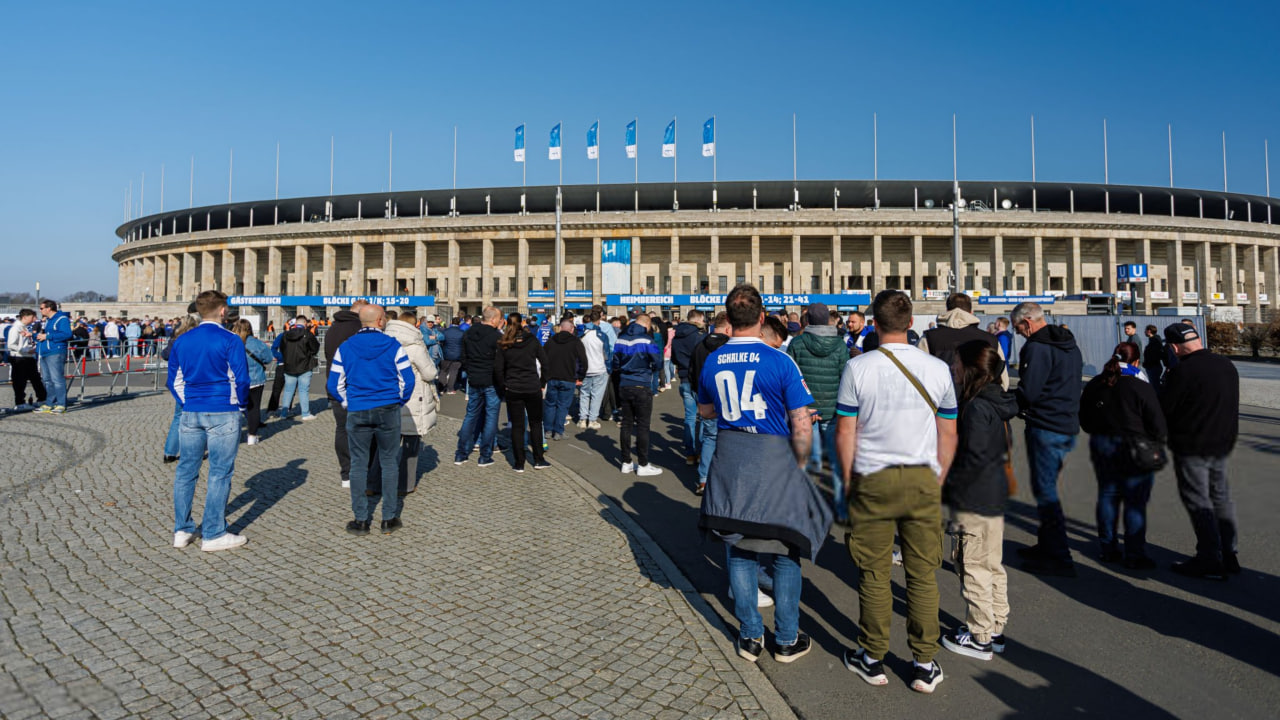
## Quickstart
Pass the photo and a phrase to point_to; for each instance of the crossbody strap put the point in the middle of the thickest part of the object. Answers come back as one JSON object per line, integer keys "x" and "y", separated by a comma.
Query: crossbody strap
{"x": 916, "y": 383}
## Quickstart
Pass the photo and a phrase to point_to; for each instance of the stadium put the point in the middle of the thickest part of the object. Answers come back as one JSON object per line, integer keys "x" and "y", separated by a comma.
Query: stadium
{"x": 681, "y": 245}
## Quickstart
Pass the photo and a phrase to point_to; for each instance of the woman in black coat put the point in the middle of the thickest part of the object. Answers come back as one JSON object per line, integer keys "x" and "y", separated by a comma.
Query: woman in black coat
{"x": 520, "y": 372}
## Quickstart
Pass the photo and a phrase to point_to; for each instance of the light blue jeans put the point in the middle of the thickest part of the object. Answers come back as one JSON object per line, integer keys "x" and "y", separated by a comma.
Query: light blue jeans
{"x": 53, "y": 371}
{"x": 302, "y": 384}
{"x": 171, "y": 446}
{"x": 691, "y": 424}
{"x": 219, "y": 433}
{"x": 709, "y": 431}
{"x": 824, "y": 441}
{"x": 592, "y": 394}
{"x": 744, "y": 568}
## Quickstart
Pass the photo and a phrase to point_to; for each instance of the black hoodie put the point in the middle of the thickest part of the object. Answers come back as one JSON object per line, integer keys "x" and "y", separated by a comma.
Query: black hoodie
{"x": 686, "y": 339}
{"x": 345, "y": 324}
{"x": 1049, "y": 380}
{"x": 298, "y": 347}
{"x": 521, "y": 368}
{"x": 566, "y": 357}
{"x": 976, "y": 482}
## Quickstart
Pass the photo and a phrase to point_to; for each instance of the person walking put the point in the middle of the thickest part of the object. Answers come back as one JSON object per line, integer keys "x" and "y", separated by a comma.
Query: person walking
{"x": 821, "y": 355}
{"x": 257, "y": 357}
{"x": 600, "y": 352}
{"x": 417, "y": 416}
{"x": 432, "y": 336}
{"x": 298, "y": 348}
{"x": 1050, "y": 368}
{"x": 685, "y": 337}
{"x": 209, "y": 375}
{"x": 720, "y": 333}
{"x": 451, "y": 356}
{"x": 758, "y": 500}
{"x": 520, "y": 371}
{"x": 51, "y": 347}
{"x": 1118, "y": 408}
{"x": 373, "y": 378}
{"x": 896, "y": 436}
{"x": 1201, "y": 404}
{"x": 566, "y": 369}
{"x": 345, "y": 324}
{"x": 479, "y": 349}
{"x": 638, "y": 359}
{"x": 20, "y": 344}
{"x": 976, "y": 492}
{"x": 1153, "y": 357}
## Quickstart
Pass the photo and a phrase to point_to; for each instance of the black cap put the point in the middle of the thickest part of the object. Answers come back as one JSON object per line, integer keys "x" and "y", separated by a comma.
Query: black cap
{"x": 1179, "y": 333}
{"x": 818, "y": 314}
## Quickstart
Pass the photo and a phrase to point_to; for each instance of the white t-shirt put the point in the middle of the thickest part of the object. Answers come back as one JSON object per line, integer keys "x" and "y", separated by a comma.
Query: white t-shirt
{"x": 895, "y": 425}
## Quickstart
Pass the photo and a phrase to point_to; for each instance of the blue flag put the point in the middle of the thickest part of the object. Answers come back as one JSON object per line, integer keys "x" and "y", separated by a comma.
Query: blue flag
{"x": 631, "y": 139}
{"x": 593, "y": 141}
{"x": 709, "y": 137}
{"x": 520, "y": 143}
{"x": 553, "y": 150}
{"x": 669, "y": 140}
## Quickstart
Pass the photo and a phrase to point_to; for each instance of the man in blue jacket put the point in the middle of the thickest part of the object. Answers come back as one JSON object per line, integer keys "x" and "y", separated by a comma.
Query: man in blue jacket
{"x": 52, "y": 348}
{"x": 452, "y": 355}
{"x": 637, "y": 357}
{"x": 372, "y": 377}
{"x": 209, "y": 377}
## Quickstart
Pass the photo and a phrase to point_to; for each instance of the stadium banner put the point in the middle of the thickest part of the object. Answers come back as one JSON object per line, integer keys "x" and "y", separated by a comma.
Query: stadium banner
{"x": 631, "y": 140}
{"x": 669, "y": 140}
{"x": 709, "y": 137}
{"x": 553, "y": 150}
{"x": 615, "y": 265}
{"x": 593, "y": 141}
{"x": 1015, "y": 299}
{"x": 330, "y": 300}
{"x": 568, "y": 294}
{"x": 519, "y": 143}
{"x": 770, "y": 300}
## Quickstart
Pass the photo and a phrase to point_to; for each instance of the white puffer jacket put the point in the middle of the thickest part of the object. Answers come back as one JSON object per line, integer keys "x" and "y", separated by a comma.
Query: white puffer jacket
{"x": 417, "y": 416}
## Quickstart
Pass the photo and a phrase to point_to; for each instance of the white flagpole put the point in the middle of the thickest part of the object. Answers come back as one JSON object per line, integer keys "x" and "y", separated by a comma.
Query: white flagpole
{"x": 1224, "y": 162}
{"x": 455, "y": 157}
{"x": 561, "y": 181}
{"x": 955, "y": 174}
{"x": 331, "y": 165}
{"x": 191, "y": 189}
{"x": 715, "y": 148}
{"x": 277, "y": 170}
{"x": 390, "y": 147}
{"x": 597, "y": 164}
{"x": 1170, "y": 154}
{"x": 130, "y": 200}
{"x": 1033, "y": 163}
{"x": 637, "y": 159}
{"x": 524, "y": 166}
{"x": 875, "y": 147}
{"x": 795, "y": 189}
{"x": 231, "y": 172}
{"x": 1266, "y": 161}
{"x": 675, "y": 153}
{"x": 161, "y": 187}
{"x": 1106, "y": 169}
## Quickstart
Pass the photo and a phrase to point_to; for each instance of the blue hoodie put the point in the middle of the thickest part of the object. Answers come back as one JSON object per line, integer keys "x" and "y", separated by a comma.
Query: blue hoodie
{"x": 637, "y": 356}
{"x": 57, "y": 331}
{"x": 371, "y": 370}
{"x": 208, "y": 370}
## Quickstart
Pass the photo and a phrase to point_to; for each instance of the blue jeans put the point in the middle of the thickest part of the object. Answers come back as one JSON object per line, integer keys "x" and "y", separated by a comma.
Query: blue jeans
{"x": 824, "y": 441}
{"x": 592, "y": 395}
{"x": 691, "y": 424}
{"x": 670, "y": 371}
{"x": 1046, "y": 453}
{"x": 556, "y": 404}
{"x": 709, "y": 431}
{"x": 1116, "y": 485}
{"x": 113, "y": 347}
{"x": 171, "y": 446}
{"x": 302, "y": 384}
{"x": 366, "y": 430}
{"x": 479, "y": 400}
{"x": 744, "y": 567}
{"x": 53, "y": 369}
{"x": 219, "y": 433}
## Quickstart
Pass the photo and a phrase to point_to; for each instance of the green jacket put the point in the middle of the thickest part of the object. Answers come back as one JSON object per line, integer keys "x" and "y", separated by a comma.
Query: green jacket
{"x": 821, "y": 355}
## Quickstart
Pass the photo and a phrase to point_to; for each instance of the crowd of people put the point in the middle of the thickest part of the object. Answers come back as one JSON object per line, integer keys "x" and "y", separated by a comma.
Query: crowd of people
{"x": 911, "y": 430}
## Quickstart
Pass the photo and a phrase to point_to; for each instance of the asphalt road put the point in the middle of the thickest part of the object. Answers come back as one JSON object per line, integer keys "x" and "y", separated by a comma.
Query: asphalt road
{"x": 1108, "y": 643}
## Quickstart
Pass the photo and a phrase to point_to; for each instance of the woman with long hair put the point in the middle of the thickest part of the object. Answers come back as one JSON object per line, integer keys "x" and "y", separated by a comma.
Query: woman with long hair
{"x": 171, "y": 449}
{"x": 976, "y": 490}
{"x": 259, "y": 357}
{"x": 520, "y": 370}
{"x": 1118, "y": 406}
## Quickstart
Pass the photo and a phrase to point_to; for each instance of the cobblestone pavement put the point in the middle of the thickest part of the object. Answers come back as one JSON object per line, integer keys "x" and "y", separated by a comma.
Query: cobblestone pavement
{"x": 505, "y": 595}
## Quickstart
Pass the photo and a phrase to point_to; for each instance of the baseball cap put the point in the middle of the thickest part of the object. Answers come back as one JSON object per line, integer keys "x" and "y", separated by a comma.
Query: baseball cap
{"x": 818, "y": 314}
{"x": 1179, "y": 333}
{"x": 793, "y": 328}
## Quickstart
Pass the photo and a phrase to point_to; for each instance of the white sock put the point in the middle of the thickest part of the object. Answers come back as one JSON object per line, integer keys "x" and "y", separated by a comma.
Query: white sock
{"x": 925, "y": 666}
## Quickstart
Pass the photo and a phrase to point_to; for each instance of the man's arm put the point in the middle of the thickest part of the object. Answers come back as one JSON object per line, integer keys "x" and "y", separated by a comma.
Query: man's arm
{"x": 846, "y": 447}
{"x": 707, "y": 411}
{"x": 946, "y": 445}
{"x": 801, "y": 434}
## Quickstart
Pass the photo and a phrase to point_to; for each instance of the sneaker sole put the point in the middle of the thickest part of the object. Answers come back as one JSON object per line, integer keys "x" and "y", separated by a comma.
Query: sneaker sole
{"x": 218, "y": 548}
{"x": 876, "y": 680}
{"x": 746, "y": 655}
{"x": 792, "y": 657}
{"x": 967, "y": 651}
{"x": 927, "y": 688}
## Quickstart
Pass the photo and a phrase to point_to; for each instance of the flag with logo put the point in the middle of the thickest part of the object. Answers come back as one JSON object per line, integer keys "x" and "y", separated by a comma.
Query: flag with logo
{"x": 520, "y": 143}
{"x": 631, "y": 139}
{"x": 709, "y": 137}
{"x": 593, "y": 141}
{"x": 553, "y": 150}
{"x": 669, "y": 140}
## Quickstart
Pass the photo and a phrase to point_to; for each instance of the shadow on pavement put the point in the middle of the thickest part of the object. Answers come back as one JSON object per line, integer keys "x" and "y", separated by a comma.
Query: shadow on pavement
{"x": 264, "y": 490}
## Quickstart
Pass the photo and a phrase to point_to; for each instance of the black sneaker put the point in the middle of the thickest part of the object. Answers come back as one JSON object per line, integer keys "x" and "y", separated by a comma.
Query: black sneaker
{"x": 484, "y": 463}
{"x": 358, "y": 527}
{"x": 925, "y": 681}
{"x": 794, "y": 651}
{"x": 1110, "y": 555}
{"x": 1041, "y": 565}
{"x": 1231, "y": 563}
{"x": 170, "y": 459}
{"x": 390, "y": 526}
{"x": 961, "y": 642}
{"x": 872, "y": 671}
{"x": 997, "y": 643}
{"x": 1139, "y": 563}
{"x": 750, "y": 648}
{"x": 541, "y": 465}
{"x": 1028, "y": 552}
{"x": 1199, "y": 568}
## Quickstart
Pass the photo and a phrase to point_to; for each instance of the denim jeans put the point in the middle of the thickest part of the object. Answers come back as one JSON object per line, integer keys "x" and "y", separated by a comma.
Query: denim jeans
{"x": 592, "y": 393}
{"x": 171, "y": 445}
{"x": 302, "y": 384}
{"x": 556, "y": 404}
{"x": 480, "y": 400}
{"x": 668, "y": 372}
{"x": 691, "y": 424}
{"x": 1117, "y": 486}
{"x": 113, "y": 347}
{"x": 824, "y": 441}
{"x": 744, "y": 567}
{"x": 368, "y": 431}
{"x": 709, "y": 431}
{"x": 1046, "y": 453}
{"x": 53, "y": 370}
{"x": 219, "y": 433}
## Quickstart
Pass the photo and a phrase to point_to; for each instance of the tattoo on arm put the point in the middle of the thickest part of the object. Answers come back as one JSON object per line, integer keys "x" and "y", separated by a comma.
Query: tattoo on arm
{"x": 801, "y": 434}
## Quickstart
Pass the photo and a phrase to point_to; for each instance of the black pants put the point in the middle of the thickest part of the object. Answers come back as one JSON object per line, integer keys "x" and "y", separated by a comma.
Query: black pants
{"x": 339, "y": 436}
{"x": 609, "y": 406}
{"x": 408, "y": 476}
{"x": 637, "y": 405}
{"x": 254, "y": 412}
{"x": 449, "y": 374}
{"x": 277, "y": 389}
{"x": 520, "y": 405}
{"x": 25, "y": 370}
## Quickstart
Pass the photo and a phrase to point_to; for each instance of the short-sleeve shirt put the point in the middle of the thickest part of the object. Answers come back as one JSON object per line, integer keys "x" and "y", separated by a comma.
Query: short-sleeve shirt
{"x": 895, "y": 424}
{"x": 753, "y": 386}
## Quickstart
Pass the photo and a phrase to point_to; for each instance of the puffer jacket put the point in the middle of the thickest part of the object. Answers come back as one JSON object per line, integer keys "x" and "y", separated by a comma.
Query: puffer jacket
{"x": 976, "y": 482}
{"x": 419, "y": 415}
{"x": 821, "y": 355}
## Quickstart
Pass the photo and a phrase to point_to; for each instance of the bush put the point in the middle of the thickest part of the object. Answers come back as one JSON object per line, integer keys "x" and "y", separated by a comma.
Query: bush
{"x": 1223, "y": 336}
{"x": 1254, "y": 336}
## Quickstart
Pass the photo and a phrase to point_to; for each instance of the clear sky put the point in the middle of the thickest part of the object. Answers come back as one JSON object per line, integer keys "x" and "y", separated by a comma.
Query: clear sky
{"x": 95, "y": 95}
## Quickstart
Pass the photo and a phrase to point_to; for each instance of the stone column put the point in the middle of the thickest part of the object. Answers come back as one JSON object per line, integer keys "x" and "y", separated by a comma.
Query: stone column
{"x": 455, "y": 256}
{"x": 837, "y": 278}
{"x": 1037, "y": 266}
{"x": 160, "y": 277}
{"x": 329, "y": 270}
{"x": 207, "y": 276}
{"x": 1232, "y": 285}
{"x": 752, "y": 276}
{"x": 713, "y": 264}
{"x": 249, "y": 272}
{"x": 173, "y": 288}
{"x": 1251, "y": 278}
{"x": 1109, "y": 265}
{"x": 229, "y": 272}
{"x": 419, "y": 267}
{"x": 1174, "y": 271}
{"x": 597, "y": 273}
{"x": 274, "y": 270}
{"x": 673, "y": 269}
{"x": 301, "y": 283}
{"x": 877, "y": 269}
{"x": 1076, "y": 283}
{"x": 637, "y": 277}
{"x": 795, "y": 282}
{"x": 917, "y": 267}
{"x": 123, "y": 282}
{"x": 190, "y": 285}
{"x": 997, "y": 265}
{"x": 1204, "y": 262}
{"x": 389, "y": 286}
{"x": 356, "y": 285}
{"x": 522, "y": 270}
{"x": 1271, "y": 275}
{"x": 486, "y": 272}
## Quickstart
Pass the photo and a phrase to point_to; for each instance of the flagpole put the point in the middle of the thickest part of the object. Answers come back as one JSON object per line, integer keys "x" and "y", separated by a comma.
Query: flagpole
{"x": 277, "y": 170}
{"x": 715, "y": 156}
{"x": 597, "y": 163}
{"x": 675, "y": 163}
{"x": 161, "y": 187}
{"x": 1171, "y": 155}
{"x": 142, "y": 197}
{"x": 957, "y": 279}
{"x": 331, "y": 165}
{"x": 453, "y": 201}
{"x": 1033, "y": 163}
{"x": 561, "y": 181}
{"x": 795, "y": 190}
{"x": 1266, "y": 163}
{"x": 231, "y": 172}
{"x": 191, "y": 189}
{"x": 1106, "y": 169}
{"x": 1224, "y": 162}
{"x": 390, "y": 147}
{"x": 875, "y": 147}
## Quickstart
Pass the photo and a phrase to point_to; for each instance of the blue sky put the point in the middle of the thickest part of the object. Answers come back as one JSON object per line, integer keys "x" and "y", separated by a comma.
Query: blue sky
{"x": 97, "y": 94}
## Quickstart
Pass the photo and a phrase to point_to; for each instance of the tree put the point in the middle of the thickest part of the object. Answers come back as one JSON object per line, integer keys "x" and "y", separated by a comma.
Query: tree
{"x": 19, "y": 298}
{"x": 1254, "y": 336}
{"x": 88, "y": 296}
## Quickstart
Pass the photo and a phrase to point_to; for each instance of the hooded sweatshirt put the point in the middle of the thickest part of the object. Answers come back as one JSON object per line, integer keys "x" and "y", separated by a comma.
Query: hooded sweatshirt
{"x": 957, "y": 327}
{"x": 686, "y": 338}
{"x": 637, "y": 356}
{"x": 298, "y": 349}
{"x": 566, "y": 357}
{"x": 370, "y": 370}
{"x": 521, "y": 368}
{"x": 821, "y": 355}
{"x": 1049, "y": 380}
{"x": 976, "y": 482}
{"x": 57, "y": 331}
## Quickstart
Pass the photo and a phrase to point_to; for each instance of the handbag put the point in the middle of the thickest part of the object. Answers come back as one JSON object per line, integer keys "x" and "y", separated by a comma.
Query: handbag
{"x": 1144, "y": 454}
{"x": 1009, "y": 477}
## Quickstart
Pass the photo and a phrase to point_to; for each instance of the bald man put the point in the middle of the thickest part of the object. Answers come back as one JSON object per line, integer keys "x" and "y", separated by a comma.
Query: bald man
{"x": 372, "y": 377}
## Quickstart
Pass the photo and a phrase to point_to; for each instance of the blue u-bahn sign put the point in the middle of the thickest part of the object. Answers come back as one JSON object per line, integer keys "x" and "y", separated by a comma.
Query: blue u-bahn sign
{"x": 1131, "y": 273}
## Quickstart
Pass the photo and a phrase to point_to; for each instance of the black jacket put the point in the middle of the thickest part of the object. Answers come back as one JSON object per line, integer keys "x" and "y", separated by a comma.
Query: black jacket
{"x": 299, "y": 348}
{"x": 566, "y": 357}
{"x": 345, "y": 324}
{"x": 976, "y": 482}
{"x": 1049, "y": 378}
{"x": 1130, "y": 408}
{"x": 1153, "y": 357}
{"x": 1201, "y": 402}
{"x": 453, "y": 343}
{"x": 521, "y": 368}
{"x": 686, "y": 339}
{"x": 710, "y": 343}
{"x": 479, "y": 346}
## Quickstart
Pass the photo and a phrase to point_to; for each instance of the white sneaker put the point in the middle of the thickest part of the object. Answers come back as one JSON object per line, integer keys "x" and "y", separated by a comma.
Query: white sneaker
{"x": 628, "y": 467}
{"x": 648, "y": 470}
{"x": 253, "y": 440}
{"x": 226, "y": 541}
{"x": 762, "y": 600}
{"x": 308, "y": 418}
{"x": 582, "y": 424}
{"x": 182, "y": 539}
{"x": 593, "y": 425}
{"x": 346, "y": 483}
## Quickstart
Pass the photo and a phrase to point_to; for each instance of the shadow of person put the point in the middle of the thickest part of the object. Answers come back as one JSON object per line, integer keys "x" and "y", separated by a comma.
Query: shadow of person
{"x": 264, "y": 490}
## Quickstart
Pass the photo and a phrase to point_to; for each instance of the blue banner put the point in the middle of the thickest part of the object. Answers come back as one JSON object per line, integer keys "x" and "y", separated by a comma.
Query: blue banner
{"x": 669, "y": 140}
{"x": 330, "y": 300}
{"x": 791, "y": 300}
{"x": 553, "y": 150}
{"x": 567, "y": 293}
{"x": 519, "y": 152}
{"x": 631, "y": 139}
{"x": 593, "y": 141}
{"x": 1015, "y": 299}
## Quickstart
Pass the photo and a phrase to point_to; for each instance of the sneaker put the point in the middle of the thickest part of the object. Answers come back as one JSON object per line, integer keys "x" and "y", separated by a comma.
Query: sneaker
{"x": 750, "y": 648}
{"x": 519, "y": 468}
{"x": 557, "y": 437}
{"x": 593, "y": 425}
{"x": 961, "y": 642}
{"x": 794, "y": 651}
{"x": 390, "y": 526}
{"x": 628, "y": 467}
{"x": 308, "y": 418}
{"x": 1199, "y": 568}
{"x": 541, "y": 465}
{"x": 997, "y": 643}
{"x": 253, "y": 440}
{"x": 897, "y": 557}
{"x": 702, "y": 488}
{"x": 690, "y": 460}
{"x": 484, "y": 463}
{"x": 182, "y": 539}
{"x": 358, "y": 527}
{"x": 44, "y": 409}
{"x": 170, "y": 459}
{"x": 648, "y": 470}
{"x": 60, "y": 409}
{"x": 459, "y": 461}
{"x": 762, "y": 599}
{"x": 872, "y": 671}
{"x": 925, "y": 681}
{"x": 346, "y": 484}
{"x": 225, "y": 541}
{"x": 582, "y": 424}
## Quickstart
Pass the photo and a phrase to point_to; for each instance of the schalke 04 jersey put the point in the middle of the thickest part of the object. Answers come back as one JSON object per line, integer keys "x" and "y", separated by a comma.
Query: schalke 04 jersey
{"x": 753, "y": 387}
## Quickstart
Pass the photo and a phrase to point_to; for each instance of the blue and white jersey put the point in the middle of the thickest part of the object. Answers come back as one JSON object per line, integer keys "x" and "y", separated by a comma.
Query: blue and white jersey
{"x": 753, "y": 386}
